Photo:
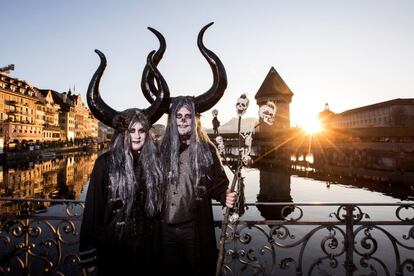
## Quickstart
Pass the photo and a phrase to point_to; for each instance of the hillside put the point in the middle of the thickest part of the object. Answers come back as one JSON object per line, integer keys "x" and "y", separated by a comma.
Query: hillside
{"x": 231, "y": 126}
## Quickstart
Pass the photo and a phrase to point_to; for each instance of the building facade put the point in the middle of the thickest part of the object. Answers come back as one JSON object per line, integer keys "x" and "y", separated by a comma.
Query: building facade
{"x": 393, "y": 113}
{"x": 18, "y": 104}
{"x": 31, "y": 115}
{"x": 50, "y": 113}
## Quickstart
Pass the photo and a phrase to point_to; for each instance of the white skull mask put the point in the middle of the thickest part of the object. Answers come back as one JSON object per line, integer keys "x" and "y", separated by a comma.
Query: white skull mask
{"x": 214, "y": 112}
{"x": 267, "y": 112}
{"x": 219, "y": 140}
{"x": 242, "y": 104}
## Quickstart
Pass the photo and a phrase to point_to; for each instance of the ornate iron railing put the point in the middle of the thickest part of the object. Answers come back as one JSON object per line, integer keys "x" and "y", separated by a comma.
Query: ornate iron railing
{"x": 41, "y": 236}
{"x": 323, "y": 239}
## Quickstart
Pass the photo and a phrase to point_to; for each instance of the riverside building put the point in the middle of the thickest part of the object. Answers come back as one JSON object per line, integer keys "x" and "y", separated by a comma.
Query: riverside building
{"x": 31, "y": 115}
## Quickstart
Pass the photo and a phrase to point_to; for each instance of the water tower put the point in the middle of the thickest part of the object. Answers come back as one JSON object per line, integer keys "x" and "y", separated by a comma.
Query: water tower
{"x": 274, "y": 89}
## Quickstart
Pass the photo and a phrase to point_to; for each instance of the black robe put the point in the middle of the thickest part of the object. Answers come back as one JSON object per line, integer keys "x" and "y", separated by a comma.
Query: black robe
{"x": 100, "y": 243}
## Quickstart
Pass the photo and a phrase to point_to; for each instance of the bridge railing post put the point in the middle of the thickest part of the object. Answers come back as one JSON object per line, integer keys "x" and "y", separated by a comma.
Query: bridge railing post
{"x": 350, "y": 240}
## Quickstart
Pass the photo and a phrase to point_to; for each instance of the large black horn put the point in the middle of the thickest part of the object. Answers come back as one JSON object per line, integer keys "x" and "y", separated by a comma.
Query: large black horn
{"x": 207, "y": 100}
{"x": 98, "y": 107}
{"x": 147, "y": 81}
{"x": 162, "y": 102}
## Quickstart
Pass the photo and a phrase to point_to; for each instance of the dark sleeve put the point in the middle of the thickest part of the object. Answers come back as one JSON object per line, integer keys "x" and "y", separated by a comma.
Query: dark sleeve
{"x": 218, "y": 176}
{"x": 93, "y": 214}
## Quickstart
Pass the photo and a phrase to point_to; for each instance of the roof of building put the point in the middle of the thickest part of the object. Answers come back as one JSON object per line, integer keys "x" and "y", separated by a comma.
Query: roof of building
{"x": 273, "y": 85}
{"x": 398, "y": 101}
{"x": 57, "y": 98}
{"x": 18, "y": 83}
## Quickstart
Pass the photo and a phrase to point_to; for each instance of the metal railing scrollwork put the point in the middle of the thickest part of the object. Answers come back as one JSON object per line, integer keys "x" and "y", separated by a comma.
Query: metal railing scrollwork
{"x": 40, "y": 236}
{"x": 348, "y": 240}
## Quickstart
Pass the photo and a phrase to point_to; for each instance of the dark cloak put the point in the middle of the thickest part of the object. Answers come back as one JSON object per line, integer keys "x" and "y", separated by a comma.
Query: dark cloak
{"x": 135, "y": 251}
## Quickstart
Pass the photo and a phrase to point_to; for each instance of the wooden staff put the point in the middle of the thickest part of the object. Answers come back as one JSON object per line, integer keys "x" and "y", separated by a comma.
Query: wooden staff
{"x": 225, "y": 222}
{"x": 224, "y": 225}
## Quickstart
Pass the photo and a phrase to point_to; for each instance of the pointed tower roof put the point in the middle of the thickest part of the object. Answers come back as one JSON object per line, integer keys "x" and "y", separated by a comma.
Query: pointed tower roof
{"x": 273, "y": 86}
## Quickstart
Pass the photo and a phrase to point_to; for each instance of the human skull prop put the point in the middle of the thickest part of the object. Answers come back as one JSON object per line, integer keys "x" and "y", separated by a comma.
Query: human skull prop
{"x": 267, "y": 112}
{"x": 242, "y": 104}
{"x": 214, "y": 112}
{"x": 220, "y": 145}
{"x": 248, "y": 140}
{"x": 245, "y": 157}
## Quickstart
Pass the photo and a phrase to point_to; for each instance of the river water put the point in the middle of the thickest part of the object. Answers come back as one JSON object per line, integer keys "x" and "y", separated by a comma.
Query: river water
{"x": 66, "y": 177}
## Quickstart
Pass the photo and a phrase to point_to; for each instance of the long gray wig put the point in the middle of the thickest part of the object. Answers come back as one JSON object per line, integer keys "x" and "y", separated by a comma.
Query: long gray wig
{"x": 124, "y": 184}
{"x": 200, "y": 154}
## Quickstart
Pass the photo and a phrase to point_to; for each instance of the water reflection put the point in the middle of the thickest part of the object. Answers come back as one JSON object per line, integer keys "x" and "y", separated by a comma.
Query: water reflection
{"x": 274, "y": 187}
{"x": 271, "y": 179}
{"x": 388, "y": 172}
{"x": 62, "y": 177}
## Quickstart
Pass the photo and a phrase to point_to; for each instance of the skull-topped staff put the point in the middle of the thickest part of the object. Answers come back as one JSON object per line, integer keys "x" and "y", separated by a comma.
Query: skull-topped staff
{"x": 232, "y": 216}
{"x": 266, "y": 113}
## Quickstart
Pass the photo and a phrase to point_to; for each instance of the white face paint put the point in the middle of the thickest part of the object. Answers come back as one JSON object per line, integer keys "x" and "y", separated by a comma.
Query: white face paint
{"x": 242, "y": 105}
{"x": 267, "y": 112}
{"x": 137, "y": 135}
{"x": 184, "y": 120}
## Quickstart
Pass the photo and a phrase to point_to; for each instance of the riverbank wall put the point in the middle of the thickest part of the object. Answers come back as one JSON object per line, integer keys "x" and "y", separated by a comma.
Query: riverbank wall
{"x": 44, "y": 154}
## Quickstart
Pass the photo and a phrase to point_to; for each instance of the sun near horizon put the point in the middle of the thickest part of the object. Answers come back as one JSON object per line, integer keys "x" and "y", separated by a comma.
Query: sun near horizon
{"x": 311, "y": 125}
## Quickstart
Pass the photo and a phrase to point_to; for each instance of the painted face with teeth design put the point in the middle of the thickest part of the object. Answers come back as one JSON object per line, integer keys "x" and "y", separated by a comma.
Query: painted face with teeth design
{"x": 184, "y": 120}
{"x": 137, "y": 135}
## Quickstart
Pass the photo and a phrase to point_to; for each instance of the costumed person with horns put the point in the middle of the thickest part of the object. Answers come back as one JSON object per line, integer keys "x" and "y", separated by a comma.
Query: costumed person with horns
{"x": 120, "y": 229}
{"x": 195, "y": 173}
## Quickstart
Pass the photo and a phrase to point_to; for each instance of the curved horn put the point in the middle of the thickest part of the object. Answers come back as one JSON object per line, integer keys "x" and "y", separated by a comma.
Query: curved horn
{"x": 207, "y": 100}
{"x": 161, "y": 103}
{"x": 147, "y": 81}
{"x": 98, "y": 107}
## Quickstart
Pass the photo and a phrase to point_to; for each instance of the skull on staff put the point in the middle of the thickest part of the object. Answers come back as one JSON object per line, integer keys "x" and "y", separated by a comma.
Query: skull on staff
{"x": 242, "y": 104}
{"x": 267, "y": 112}
{"x": 248, "y": 140}
{"x": 220, "y": 145}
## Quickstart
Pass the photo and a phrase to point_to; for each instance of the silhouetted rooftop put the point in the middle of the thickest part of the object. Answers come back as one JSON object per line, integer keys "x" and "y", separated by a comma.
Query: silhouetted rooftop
{"x": 273, "y": 85}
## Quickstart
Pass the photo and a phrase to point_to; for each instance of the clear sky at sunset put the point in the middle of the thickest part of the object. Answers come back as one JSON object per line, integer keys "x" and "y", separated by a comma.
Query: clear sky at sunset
{"x": 347, "y": 53}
